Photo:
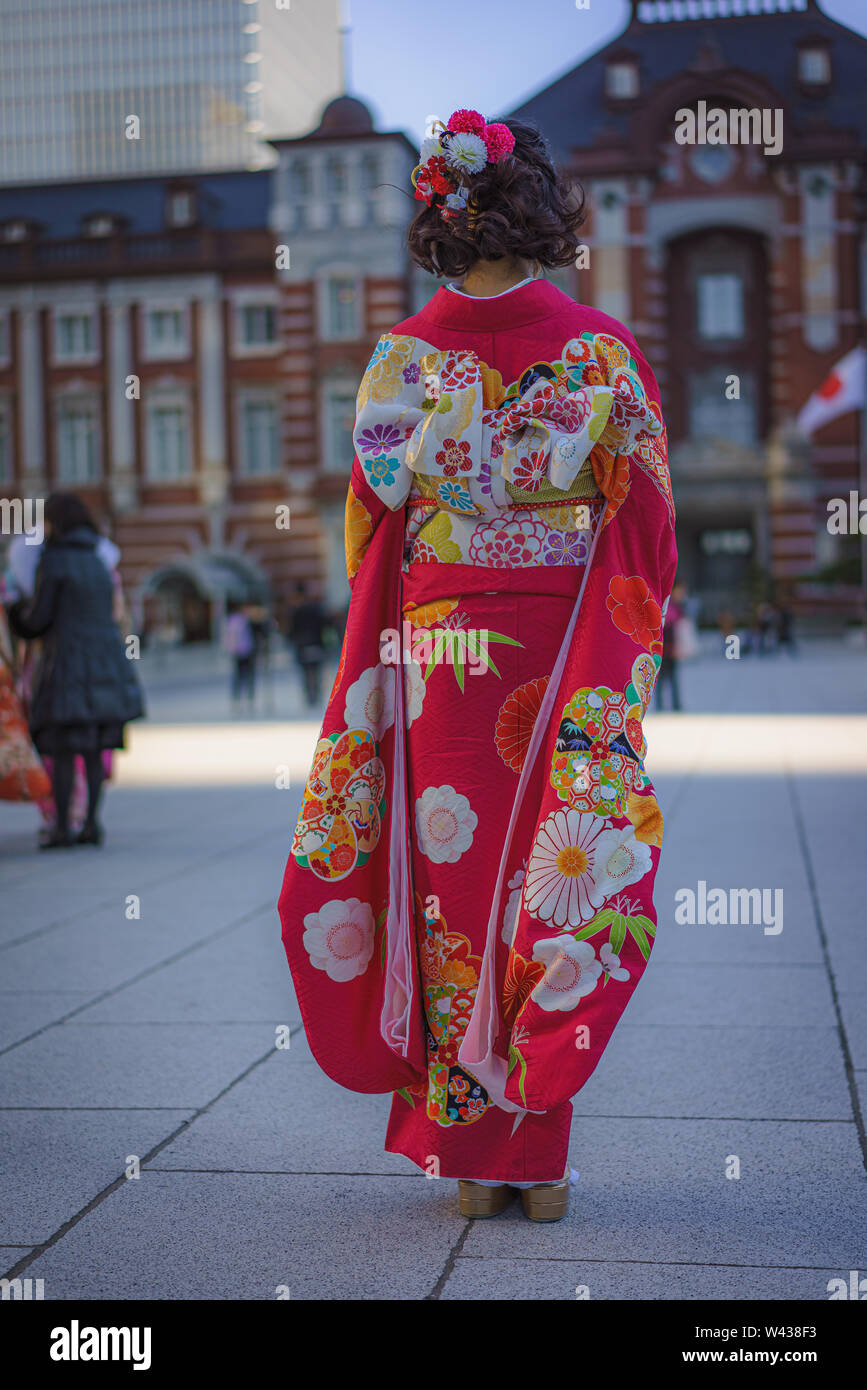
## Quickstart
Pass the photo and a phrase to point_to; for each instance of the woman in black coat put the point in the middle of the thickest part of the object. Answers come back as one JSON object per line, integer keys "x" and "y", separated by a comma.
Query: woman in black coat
{"x": 85, "y": 689}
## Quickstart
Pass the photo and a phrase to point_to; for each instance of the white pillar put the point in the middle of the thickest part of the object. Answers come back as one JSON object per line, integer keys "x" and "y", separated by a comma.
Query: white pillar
{"x": 212, "y": 396}
{"x": 121, "y": 410}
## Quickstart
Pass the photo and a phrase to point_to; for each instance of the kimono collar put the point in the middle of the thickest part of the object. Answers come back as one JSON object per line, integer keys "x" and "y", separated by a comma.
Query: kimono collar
{"x": 526, "y": 304}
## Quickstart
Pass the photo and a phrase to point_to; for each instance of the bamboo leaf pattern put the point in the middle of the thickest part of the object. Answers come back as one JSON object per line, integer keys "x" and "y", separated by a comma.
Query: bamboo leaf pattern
{"x": 460, "y": 644}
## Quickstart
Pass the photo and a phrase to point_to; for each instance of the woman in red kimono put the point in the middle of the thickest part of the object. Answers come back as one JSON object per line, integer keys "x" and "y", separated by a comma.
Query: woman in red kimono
{"x": 467, "y": 906}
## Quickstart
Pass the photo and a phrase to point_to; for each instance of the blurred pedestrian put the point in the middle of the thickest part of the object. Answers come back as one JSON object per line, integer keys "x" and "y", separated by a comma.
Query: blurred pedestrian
{"x": 726, "y": 626}
{"x": 764, "y": 627}
{"x": 307, "y": 625}
{"x": 20, "y": 580}
{"x": 239, "y": 640}
{"x": 84, "y": 689}
{"x": 785, "y": 620}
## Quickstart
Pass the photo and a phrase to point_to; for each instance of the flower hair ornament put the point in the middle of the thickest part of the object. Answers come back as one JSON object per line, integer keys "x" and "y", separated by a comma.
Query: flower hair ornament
{"x": 462, "y": 147}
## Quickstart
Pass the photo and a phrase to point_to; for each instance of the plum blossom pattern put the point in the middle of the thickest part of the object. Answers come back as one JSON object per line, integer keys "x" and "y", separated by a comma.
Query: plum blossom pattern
{"x": 571, "y": 972}
{"x": 370, "y": 699}
{"x": 454, "y": 457}
{"x": 566, "y": 547}
{"x": 339, "y": 938}
{"x": 381, "y": 471}
{"x": 635, "y": 611}
{"x": 444, "y": 823}
{"x": 622, "y": 858}
{"x": 513, "y": 905}
{"x": 611, "y": 964}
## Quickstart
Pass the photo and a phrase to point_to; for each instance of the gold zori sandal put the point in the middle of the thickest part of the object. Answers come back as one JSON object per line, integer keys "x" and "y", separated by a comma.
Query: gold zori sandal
{"x": 478, "y": 1200}
{"x": 549, "y": 1201}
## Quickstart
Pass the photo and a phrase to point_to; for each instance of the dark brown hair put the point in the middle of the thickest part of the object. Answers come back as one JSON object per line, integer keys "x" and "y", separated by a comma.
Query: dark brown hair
{"x": 518, "y": 207}
{"x": 65, "y": 511}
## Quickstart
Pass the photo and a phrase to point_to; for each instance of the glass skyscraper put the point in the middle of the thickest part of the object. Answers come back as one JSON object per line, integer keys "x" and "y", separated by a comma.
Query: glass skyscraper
{"x": 98, "y": 88}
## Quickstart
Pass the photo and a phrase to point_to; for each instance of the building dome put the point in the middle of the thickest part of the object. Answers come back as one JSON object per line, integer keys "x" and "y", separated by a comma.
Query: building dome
{"x": 345, "y": 116}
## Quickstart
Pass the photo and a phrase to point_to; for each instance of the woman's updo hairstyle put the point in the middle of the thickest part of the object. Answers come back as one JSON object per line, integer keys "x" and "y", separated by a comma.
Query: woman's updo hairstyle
{"x": 518, "y": 206}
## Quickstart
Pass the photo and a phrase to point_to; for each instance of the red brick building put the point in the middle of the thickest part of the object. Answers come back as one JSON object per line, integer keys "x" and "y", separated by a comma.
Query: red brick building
{"x": 186, "y": 353}
{"x": 140, "y": 366}
{"x": 730, "y": 261}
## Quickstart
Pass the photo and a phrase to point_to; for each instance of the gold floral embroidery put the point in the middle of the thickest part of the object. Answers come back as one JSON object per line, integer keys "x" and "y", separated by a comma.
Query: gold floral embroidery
{"x": 429, "y": 613}
{"x": 436, "y": 533}
{"x": 383, "y": 380}
{"x": 357, "y": 531}
{"x": 646, "y": 816}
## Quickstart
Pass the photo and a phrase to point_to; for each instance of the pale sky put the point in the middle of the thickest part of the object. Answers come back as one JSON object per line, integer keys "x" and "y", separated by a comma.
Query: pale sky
{"x": 409, "y": 60}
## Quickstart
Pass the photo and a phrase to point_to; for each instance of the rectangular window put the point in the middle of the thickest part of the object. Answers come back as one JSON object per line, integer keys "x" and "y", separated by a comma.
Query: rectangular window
{"x": 369, "y": 171}
{"x": 258, "y": 324}
{"x": 5, "y": 444}
{"x": 301, "y": 182}
{"x": 74, "y": 336}
{"x": 342, "y": 319}
{"x": 720, "y": 305}
{"x": 77, "y": 441}
{"x": 165, "y": 328}
{"x": 814, "y": 66}
{"x": 181, "y": 209}
{"x": 168, "y": 440}
{"x": 339, "y": 424}
{"x": 166, "y": 333}
{"x": 621, "y": 80}
{"x": 716, "y": 413}
{"x": 259, "y": 452}
{"x": 335, "y": 176}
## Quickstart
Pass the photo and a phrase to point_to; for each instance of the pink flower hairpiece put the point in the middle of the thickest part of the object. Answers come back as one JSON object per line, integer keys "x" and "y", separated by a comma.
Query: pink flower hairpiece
{"x": 462, "y": 147}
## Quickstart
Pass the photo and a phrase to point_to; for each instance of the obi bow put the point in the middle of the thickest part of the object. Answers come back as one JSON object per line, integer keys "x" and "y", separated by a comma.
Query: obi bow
{"x": 445, "y": 416}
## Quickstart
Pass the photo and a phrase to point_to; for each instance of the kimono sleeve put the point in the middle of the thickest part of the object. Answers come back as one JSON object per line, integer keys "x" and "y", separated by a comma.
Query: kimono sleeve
{"x": 388, "y": 409}
{"x": 586, "y": 921}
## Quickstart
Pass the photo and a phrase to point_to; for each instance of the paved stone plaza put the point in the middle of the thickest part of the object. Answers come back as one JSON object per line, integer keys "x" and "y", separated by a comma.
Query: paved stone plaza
{"x": 151, "y": 1041}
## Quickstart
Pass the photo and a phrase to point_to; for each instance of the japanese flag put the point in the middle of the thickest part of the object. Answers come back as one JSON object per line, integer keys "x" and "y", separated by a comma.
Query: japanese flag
{"x": 843, "y": 389}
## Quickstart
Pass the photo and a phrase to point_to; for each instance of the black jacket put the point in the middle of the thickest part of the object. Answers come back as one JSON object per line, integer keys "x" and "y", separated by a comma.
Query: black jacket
{"x": 83, "y": 675}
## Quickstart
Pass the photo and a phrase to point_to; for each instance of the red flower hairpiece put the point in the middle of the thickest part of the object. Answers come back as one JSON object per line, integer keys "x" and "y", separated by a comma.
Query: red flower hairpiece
{"x": 463, "y": 147}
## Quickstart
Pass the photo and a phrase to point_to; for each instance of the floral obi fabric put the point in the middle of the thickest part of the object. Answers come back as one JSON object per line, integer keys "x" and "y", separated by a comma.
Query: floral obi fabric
{"x": 515, "y": 537}
{"x": 493, "y": 474}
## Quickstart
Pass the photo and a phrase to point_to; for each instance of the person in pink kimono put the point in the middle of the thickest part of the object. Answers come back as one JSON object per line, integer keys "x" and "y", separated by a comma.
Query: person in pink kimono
{"x": 467, "y": 905}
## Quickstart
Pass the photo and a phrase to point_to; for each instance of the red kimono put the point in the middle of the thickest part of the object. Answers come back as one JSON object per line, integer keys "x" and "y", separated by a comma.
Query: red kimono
{"x": 467, "y": 906}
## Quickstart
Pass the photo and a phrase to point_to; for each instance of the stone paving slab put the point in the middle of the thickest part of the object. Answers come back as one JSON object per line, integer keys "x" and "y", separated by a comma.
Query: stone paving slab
{"x": 176, "y": 1065}
{"x": 656, "y": 1191}
{"x": 104, "y": 949}
{"x": 22, "y": 1013}
{"x": 288, "y": 1116}
{"x": 731, "y": 995}
{"x": 56, "y": 1161}
{"x": 753, "y": 1072}
{"x": 241, "y": 976}
{"x": 230, "y": 1236}
{"x": 561, "y": 1281}
{"x": 282, "y": 1177}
